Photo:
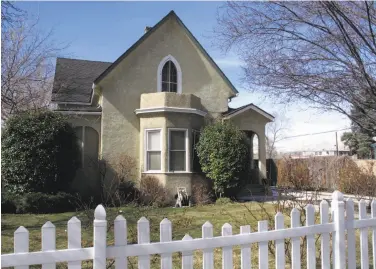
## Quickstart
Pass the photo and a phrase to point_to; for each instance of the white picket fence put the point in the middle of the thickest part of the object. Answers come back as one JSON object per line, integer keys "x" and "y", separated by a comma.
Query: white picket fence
{"x": 343, "y": 230}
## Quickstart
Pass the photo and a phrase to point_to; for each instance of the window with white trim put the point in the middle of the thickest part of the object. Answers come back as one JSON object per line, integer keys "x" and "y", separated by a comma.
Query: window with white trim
{"x": 153, "y": 150}
{"x": 169, "y": 77}
{"x": 177, "y": 150}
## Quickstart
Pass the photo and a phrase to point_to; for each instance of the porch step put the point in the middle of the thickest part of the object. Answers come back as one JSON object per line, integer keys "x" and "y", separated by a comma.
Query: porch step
{"x": 251, "y": 190}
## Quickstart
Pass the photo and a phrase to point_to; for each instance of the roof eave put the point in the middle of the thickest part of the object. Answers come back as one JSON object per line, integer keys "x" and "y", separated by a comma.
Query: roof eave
{"x": 253, "y": 107}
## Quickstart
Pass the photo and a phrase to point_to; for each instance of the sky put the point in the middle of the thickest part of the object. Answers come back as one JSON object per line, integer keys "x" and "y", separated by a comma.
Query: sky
{"x": 102, "y": 31}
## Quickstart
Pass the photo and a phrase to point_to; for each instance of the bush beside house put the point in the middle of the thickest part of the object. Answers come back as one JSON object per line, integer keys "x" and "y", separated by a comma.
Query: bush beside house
{"x": 223, "y": 152}
{"x": 40, "y": 156}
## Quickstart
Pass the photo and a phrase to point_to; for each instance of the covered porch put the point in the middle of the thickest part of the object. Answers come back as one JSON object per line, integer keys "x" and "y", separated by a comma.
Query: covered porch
{"x": 252, "y": 120}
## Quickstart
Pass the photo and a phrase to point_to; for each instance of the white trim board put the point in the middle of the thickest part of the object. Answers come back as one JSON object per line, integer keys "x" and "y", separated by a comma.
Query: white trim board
{"x": 170, "y": 109}
{"x": 253, "y": 107}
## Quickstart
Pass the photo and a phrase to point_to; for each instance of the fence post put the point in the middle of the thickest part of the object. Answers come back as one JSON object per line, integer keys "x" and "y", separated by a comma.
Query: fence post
{"x": 338, "y": 206}
{"x": 100, "y": 236}
{"x": 21, "y": 243}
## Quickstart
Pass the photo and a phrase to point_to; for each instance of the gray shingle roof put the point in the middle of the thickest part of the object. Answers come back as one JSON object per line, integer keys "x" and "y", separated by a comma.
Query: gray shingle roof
{"x": 74, "y": 79}
{"x": 231, "y": 110}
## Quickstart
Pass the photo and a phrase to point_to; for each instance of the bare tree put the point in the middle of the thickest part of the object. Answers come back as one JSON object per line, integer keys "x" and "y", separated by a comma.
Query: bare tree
{"x": 323, "y": 53}
{"x": 27, "y": 62}
{"x": 275, "y": 132}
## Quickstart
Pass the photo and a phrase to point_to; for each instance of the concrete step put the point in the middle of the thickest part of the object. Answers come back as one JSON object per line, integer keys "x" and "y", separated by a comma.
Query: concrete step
{"x": 252, "y": 190}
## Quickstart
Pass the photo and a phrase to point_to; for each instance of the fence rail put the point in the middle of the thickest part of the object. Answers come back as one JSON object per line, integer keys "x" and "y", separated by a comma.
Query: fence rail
{"x": 342, "y": 228}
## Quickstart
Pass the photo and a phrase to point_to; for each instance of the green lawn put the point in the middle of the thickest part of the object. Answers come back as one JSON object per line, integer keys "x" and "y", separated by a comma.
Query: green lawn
{"x": 184, "y": 220}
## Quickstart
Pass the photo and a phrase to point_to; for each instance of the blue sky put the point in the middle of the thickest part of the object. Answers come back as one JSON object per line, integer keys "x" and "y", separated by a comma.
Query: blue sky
{"x": 104, "y": 30}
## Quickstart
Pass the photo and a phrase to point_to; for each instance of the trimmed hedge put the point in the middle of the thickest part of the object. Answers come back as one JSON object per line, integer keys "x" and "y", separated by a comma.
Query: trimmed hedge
{"x": 40, "y": 153}
{"x": 37, "y": 203}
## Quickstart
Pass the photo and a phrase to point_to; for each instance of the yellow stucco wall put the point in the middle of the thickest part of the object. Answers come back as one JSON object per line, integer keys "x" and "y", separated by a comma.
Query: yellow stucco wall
{"x": 168, "y": 99}
{"x": 137, "y": 74}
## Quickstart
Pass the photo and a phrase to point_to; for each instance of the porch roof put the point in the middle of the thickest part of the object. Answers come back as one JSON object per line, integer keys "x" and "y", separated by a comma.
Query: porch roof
{"x": 231, "y": 112}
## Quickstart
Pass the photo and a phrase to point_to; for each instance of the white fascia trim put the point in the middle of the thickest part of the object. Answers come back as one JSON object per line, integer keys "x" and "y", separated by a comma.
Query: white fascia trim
{"x": 248, "y": 108}
{"x": 178, "y": 69}
{"x": 94, "y": 113}
{"x": 170, "y": 109}
{"x": 79, "y": 103}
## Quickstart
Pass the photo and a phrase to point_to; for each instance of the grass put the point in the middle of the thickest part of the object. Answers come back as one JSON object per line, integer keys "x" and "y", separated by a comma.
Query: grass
{"x": 184, "y": 220}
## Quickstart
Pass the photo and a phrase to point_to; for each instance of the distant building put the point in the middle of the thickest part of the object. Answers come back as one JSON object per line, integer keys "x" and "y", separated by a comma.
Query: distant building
{"x": 316, "y": 153}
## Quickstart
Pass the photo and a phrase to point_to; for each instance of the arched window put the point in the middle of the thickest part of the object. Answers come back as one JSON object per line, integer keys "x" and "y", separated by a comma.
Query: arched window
{"x": 169, "y": 75}
{"x": 88, "y": 140}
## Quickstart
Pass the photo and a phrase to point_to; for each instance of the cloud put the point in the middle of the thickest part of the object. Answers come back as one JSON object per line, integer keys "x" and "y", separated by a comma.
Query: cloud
{"x": 229, "y": 62}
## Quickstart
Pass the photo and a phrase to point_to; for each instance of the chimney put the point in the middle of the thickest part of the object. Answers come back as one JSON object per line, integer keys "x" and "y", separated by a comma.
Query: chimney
{"x": 147, "y": 28}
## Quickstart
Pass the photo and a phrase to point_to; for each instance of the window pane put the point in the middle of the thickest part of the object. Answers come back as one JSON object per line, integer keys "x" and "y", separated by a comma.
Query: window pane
{"x": 165, "y": 86}
{"x": 165, "y": 72}
{"x": 177, "y": 140}
{"x": 154, "y": 140}
{"x": 173, "y": 73}
{"x": 177, "y": 161}
{"x": 196, "y": 167}
{"x": 154, "y": 161}
{"x": 173, "y": 87}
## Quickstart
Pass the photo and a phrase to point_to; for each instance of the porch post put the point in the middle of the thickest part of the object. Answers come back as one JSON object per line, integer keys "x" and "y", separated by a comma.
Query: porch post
{"x": 262, "y": 156}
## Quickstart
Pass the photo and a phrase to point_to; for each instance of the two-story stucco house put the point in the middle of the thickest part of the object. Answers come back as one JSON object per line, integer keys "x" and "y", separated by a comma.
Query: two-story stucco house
{"x": 150, "y": 103}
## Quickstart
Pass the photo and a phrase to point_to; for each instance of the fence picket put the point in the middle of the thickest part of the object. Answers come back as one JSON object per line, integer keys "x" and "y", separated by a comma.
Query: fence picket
{"x": 120, "y": 233}
{"x": 208, "y": 255}
{"x": 364, "y": 262}
{"x": 325, "y": 247}
{"x": 295, "y": 241}
{"x": 187, "y": 257}
{"x": 373, "y": 215}
{"x": 311, "y": 248}
{"x": 74, "y": 239}
{"x": 227, "y": 251}
{"x": 333, "y": 238}
{"x": 21, "y": 243}
{"x": 100, "y": 238}
{"x": 166, "y": 236}
{"x": 245, "y": 259}
{"x": 48, "y": 241}
{"x": 143, "y": 236}
{"x": 279, "y": 244}
{"x": 339, "y": 226}
{"x": 263, "y": 246}
{"x": 351, "y": 247}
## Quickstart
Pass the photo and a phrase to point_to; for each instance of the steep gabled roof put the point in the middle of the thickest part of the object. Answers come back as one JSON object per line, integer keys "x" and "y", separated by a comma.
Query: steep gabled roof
{"x": 74, "y": 80}
{"x": 173, "y": 15}
{"x": 231, "y": 112}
